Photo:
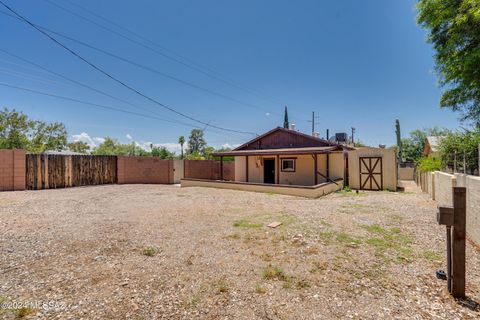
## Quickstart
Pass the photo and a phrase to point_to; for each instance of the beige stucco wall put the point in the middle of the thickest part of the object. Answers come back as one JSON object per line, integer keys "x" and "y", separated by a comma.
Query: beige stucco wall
{"x": 306, "y": 191}
{"x": 304, "y": 169}
{"x": 443, "y": 184}
{"x": 441, "y": 191}
{"x": 389, "y": 166}
{"x": 406, "y": 173}
{"x": 473, "y": 208}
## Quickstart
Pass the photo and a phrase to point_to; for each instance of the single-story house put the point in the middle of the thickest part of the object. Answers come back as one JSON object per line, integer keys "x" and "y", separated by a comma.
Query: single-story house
{"x": 431, "y": 145}
{"x": 290, "y": 162}
{"x": 288, "y": 157}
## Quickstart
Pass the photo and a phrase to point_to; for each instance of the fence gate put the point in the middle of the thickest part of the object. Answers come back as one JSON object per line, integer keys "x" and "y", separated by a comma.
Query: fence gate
{"x": 371, "y": 174}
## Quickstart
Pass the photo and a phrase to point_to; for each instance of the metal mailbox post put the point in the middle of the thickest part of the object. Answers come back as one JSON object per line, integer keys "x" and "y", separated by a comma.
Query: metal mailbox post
{"x": 455, "y": 220}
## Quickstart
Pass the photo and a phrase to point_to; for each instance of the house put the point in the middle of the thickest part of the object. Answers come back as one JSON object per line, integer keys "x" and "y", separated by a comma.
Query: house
{"x": 290, "y": 162}
{"x": 431, "y": 146}
{"x": 288, "y": 157}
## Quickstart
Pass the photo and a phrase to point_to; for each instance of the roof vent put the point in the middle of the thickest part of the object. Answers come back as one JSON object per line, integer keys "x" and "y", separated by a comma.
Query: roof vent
{"x": 293, "y": 126}
{"x": 316, "y": 134}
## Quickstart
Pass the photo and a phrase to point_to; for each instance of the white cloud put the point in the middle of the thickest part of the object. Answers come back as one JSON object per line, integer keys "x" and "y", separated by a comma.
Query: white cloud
{"x": 230, "y": 146}
{"x": 85, "y": 137}
{"x": 129, "y": 137}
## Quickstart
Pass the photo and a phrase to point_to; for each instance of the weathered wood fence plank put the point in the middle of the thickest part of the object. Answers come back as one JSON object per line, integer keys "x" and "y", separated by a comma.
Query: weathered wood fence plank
{"x": 62, "y": 171}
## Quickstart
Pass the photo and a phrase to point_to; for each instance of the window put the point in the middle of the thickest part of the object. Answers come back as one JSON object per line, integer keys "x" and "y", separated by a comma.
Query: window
{"x": 288, "y": 165}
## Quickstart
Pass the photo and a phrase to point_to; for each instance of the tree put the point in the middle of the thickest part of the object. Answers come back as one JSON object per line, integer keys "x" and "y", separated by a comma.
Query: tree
{"x": 454, "y": 32}
{"x": 48, "y": 136}
{"x": 196, "y": 142}
{"x": 413, "y": 146}
{"x": 181, "y": 141}
{"x": 455, "y": 145}
{"x": 20, "y": 132}
{"x": 111, "y": 147}
{"x": 79, "y": 146}
{"x": 162, "y": 152}
{"x": 286, "y": 125}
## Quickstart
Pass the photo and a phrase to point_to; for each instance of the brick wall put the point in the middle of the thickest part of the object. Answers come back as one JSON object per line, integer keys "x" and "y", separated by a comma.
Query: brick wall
{"x": 144, "y": 170}
{"x": 208, "y": 169}
{"x": 12, "y": 170}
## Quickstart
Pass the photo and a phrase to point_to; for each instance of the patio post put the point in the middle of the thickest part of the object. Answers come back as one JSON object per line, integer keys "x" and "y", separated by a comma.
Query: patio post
{"x": 246, "y": 168}
{"x": 315, "y": 168}
{"x": 328, "y": 165}
{"x": 221, "y": 167}
{"x": 278, "y": 169}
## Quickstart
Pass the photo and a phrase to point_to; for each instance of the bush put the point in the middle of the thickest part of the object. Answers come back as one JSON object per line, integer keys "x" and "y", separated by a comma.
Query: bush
{"x": 428, "y": 164}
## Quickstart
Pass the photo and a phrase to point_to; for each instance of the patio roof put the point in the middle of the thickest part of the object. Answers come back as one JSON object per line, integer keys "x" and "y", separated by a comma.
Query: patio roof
{"x": 284, "y": 151}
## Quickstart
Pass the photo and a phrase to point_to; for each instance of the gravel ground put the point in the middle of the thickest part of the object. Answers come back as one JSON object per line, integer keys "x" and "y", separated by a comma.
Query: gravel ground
{"x": 164, "y": 252}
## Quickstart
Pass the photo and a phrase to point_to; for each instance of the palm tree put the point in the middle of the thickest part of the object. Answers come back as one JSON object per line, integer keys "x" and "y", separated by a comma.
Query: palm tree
{"x": 181, "y": 140}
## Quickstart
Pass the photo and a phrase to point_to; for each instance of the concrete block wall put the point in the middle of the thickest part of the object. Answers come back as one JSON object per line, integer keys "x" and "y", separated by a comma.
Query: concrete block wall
{"x": 472, "y": 184}
{"x": 443, "y": 184}
{"x": 12, "y": 170}
{"x": 406, "y": 173}
{"x": 208, "y": 169}
{"x": 441, "y": 191}
{"x": 144, "y": 170}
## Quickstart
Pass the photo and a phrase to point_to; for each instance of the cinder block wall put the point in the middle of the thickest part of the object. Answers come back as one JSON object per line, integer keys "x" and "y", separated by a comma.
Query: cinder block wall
{"x": 12, "y": 170}
{"x": 208, "y": 169}
{"x": 473, "y": 208}
{"x": 144, "y": 170}
{"x": 406, "y": 173}
{"x": 443, "y": 184}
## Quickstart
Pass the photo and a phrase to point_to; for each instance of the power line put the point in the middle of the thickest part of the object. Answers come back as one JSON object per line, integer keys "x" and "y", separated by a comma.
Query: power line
{"x": 115, "y": 79}
{"x": 152, "y": 70}
{"x": 191, "y": 64}
{"x": 77, "y": 82}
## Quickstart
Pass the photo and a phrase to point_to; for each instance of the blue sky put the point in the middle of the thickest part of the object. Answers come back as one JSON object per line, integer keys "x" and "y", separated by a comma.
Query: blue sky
{"x": 355, "y": 63}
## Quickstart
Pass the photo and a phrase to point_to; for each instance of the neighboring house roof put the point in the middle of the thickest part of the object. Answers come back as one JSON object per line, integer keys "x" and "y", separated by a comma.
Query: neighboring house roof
{"x": 431, "y": 145}
{"x": 282, "y": 151}
{"x": 280, "y": 138}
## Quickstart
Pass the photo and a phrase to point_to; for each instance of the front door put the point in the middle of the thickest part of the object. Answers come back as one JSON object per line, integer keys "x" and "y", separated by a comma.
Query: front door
{"x": 269, "y": 170}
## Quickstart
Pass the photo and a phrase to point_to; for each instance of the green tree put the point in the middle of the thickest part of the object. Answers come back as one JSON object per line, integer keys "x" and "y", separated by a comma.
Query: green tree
{"x": 15, "y": 130}
{"x": 454, "y": 31}
{"x": 181, "y": 141}
{"x": 196, "y": 142}
{"x": 286, "y": 125}
{"x": 111, "y": 147}
{"x": 18, "y": 131}
{"x": 78, "y": 146}
{"x": 456, "y": 145}
{"x": 414, "y": 144}
{"x": 428, "y": 164}
{"x": 162, "y": 152}
{"x": 48, "y": 136}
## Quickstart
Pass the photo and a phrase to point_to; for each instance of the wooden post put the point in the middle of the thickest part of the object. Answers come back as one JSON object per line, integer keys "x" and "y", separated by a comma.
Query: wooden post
{"x": 246, "y": 168}
{"x": 277, "y": 169}
{"x": 328, "y": 166}
{"x": 455, "y": 220}
{"x": 315, "y": 168}
{"x": 221, "y": 167}
{"x": 458, "y": 242}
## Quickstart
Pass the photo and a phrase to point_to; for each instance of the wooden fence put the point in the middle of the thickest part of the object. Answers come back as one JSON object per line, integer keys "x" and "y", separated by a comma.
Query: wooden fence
{"x": 61, "y": 171}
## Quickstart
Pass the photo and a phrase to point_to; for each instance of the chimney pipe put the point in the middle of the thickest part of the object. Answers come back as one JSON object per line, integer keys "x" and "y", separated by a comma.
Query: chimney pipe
{"x": 328, "y": 134}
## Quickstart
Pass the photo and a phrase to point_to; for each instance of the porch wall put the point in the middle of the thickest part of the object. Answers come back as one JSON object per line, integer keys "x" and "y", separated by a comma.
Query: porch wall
{"x": 304, "y": 169}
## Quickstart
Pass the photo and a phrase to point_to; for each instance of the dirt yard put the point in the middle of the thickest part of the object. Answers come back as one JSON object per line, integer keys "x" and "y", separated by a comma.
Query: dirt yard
{"x": 164, "y": 252}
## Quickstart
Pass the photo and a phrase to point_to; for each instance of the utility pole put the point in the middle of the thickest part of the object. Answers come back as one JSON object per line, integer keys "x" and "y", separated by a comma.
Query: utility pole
{"x": 353, "y": 132}
{"x": 313, "y": 122}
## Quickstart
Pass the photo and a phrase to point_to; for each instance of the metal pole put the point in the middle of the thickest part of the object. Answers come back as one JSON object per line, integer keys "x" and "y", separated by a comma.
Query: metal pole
{"x": 313, "y": 123}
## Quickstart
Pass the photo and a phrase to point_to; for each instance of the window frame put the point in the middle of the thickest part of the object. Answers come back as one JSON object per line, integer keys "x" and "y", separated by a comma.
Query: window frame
{"x": 288, "y": 170}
